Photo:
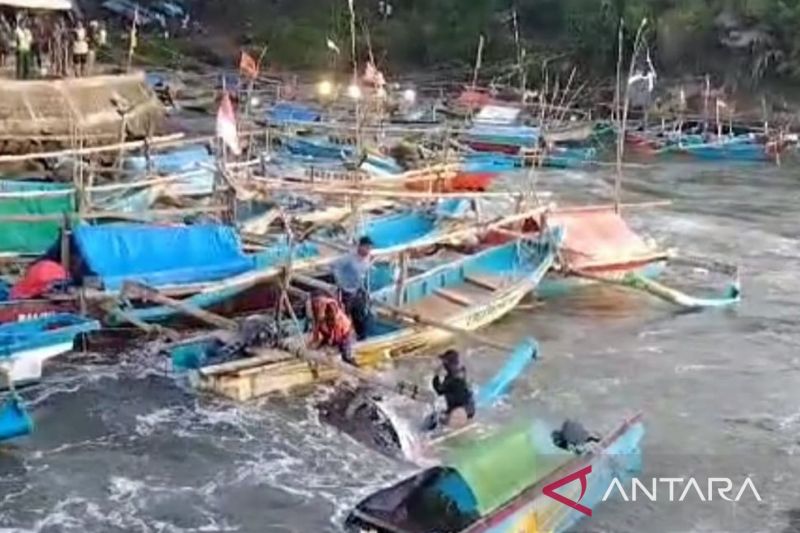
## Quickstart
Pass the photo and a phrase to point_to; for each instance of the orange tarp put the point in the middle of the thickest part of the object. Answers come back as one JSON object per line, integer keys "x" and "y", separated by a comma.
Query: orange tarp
{"x": 598, "y": 236}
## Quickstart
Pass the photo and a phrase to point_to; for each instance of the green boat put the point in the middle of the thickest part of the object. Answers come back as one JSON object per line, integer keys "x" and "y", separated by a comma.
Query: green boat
{"x": 523, "y": 478}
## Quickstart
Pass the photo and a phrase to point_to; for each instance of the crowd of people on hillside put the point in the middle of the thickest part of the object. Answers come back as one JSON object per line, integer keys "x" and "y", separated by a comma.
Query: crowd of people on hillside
{"x": 50, "y": 46}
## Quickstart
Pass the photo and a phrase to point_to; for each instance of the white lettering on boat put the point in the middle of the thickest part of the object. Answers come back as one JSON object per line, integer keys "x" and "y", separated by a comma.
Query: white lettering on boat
{"x": 24, "y": 317}
{"x": 721, "y": 487}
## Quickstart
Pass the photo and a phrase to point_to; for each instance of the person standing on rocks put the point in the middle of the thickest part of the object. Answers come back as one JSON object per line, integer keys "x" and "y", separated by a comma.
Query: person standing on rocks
{"x": 23, "y": 40}
{"x": 80, "y": 50}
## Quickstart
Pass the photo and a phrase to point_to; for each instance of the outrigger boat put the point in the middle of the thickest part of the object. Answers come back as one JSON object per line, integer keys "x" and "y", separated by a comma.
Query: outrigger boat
{"x": 600, "y": 248}
{"x": 465, "y": 294}
{"x": 513, "y": 480}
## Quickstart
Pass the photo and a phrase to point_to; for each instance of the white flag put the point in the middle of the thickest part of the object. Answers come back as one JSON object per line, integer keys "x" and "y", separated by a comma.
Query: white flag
{"x": 721, "y": 103}
{"x": 226, "y": 125}
{"x": 332, "y": 46}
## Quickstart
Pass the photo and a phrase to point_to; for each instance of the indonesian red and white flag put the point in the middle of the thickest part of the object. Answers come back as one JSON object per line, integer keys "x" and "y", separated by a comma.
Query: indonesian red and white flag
{"x": 374, "y": 76}
{"x": 226, "y": 125}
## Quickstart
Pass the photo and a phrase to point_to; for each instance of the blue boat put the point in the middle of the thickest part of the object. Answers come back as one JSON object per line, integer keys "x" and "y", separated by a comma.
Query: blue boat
{"x": 288, "y": 113}
{"x": 521, "y": 478}
{"x": 25, "y": 346}
{"x": 468, "y": 293}
{"x": 207, "y": 263}
{"x": 318, "y": 147}
{"x": 743, "y": 148}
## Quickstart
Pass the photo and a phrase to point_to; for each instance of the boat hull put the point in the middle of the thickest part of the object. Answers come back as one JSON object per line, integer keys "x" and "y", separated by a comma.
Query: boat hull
{"x": 535, "y": 511}
{"x": 22, "y": 310}
{"x": 26, "y": 366}
{"x": 252, "y": 381}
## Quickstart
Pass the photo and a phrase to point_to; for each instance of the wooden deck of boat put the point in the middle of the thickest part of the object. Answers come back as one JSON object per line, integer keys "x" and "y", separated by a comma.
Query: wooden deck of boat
{"x": 452, "y": 300}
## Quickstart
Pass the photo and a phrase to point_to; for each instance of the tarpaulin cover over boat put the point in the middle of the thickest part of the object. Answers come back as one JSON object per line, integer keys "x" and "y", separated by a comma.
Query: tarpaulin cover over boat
{"x": 499, "y": 467}
{"x": 193, "y": 166}
{"x": 288, "y": 112}
{"x": 598, "y": 236}
{"x": 477, "y": 477}
{"x": 32, "y": 198}
{"x": 160, "y": 255}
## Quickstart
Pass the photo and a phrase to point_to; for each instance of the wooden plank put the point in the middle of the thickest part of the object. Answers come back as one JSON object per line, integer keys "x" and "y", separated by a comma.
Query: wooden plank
{"x": 482, "y": 281}
{"x": 146, "y": 293}
{"x": 454, "y": 297}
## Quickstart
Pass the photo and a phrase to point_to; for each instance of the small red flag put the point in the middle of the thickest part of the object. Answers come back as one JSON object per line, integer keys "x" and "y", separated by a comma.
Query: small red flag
{"x": 226, "y": 125}
{"x": 248, "y": 66}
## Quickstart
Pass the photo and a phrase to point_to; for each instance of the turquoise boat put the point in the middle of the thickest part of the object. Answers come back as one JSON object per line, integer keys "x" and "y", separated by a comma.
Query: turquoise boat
{"x": 25, "y": 346}
{"x": 206, "y": 263}
{"x": 521, "y": 478}
{"x": 467, "y": 293}
{"x": 741, "y": 148}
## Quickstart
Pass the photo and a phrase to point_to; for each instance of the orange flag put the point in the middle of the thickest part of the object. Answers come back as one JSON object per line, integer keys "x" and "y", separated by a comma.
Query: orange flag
{"x": 248, "y": 66}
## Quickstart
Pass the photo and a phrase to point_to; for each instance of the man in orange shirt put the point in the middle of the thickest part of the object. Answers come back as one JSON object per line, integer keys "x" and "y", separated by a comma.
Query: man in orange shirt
{"x": 332, "y": 327}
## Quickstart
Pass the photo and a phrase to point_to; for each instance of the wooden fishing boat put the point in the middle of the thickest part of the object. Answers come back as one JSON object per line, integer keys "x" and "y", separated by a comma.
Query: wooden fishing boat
{"x": 512, "y": 480}
{"x": 600, "y": 247}
{"x": 597, "y": 241}
{"x": 391, "y": 423}
{"x": 466, "y": 293}
{"x": 387, "y": 231}
{"x": 741, "y": 148}
{"x": 25, "y": 346}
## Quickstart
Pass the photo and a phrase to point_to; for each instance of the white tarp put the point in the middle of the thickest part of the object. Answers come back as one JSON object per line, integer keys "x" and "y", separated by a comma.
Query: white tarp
{"x": 39, "y": 4}
{"x": 495, "y": 114}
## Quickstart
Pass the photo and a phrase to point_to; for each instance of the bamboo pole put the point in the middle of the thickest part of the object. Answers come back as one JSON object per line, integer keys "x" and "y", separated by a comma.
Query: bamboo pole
{"x": 139, "y": 290}
{"x": 271, "y": 185}
{"x": 140, "y": 215}
{"x": 131, "y": 145}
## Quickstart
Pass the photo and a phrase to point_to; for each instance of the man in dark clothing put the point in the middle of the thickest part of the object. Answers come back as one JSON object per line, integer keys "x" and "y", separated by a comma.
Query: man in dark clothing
{"x": 455, "y": 389}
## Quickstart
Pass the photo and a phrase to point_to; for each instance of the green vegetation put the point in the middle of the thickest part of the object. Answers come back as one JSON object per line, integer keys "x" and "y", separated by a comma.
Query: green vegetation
{"x": 747, "y": 39}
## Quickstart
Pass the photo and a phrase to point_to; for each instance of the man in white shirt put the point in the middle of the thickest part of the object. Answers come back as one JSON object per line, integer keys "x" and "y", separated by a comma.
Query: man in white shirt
{"x": 80, "y": 50}
{"x": 23, "y": 39}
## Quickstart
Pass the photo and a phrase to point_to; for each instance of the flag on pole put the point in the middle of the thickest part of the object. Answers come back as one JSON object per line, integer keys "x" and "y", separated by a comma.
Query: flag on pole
{"x": 721, "y": 103}
{"x": 248, "y": 66}
{"x": 374, "y": 76}
{"x": 134, "y": 38}
{"x": 226, "y": 125}
{"x": 332, "y": 46}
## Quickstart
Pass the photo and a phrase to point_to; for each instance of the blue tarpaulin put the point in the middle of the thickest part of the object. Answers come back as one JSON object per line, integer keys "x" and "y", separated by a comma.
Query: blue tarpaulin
{"x": 193, "y": 163}
{"x": 160, "y": 255}
{"x": 284, "y": 112}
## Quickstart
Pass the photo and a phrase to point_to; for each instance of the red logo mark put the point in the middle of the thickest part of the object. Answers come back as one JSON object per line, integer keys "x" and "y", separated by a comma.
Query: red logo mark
{"x": 550, "y": 490}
